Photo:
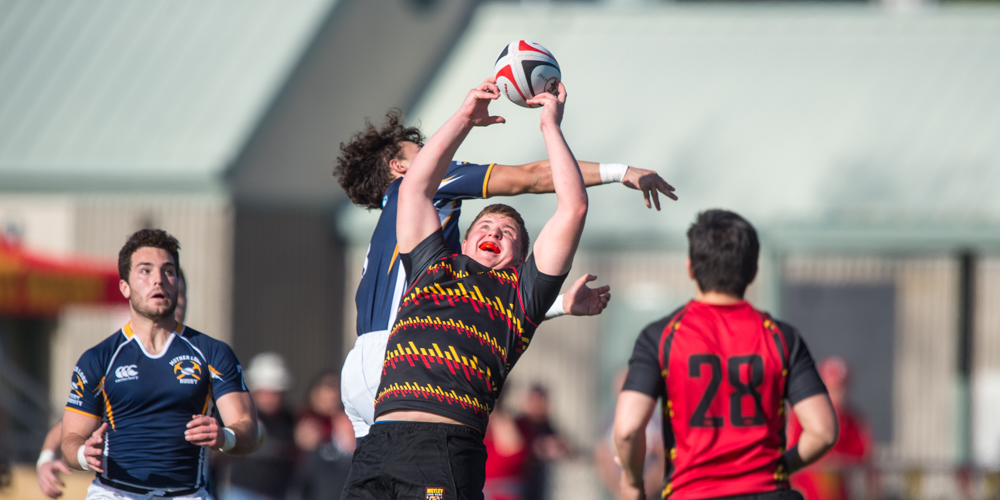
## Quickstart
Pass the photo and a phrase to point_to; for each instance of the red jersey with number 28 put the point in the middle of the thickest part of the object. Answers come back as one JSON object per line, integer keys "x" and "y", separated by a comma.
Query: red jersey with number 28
{"x": 724, "y": 374}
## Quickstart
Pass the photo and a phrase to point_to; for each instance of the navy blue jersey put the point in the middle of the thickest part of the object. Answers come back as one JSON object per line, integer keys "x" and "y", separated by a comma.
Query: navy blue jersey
{"x": 147, "y": 402}
{"x": 383, "y": 278}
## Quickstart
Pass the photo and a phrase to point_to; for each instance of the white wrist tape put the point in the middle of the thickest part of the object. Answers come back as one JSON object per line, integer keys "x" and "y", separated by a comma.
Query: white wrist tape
{"x": 230, "y": 439}
{"x": 45, "y": 457}
{"x": 557, "y": 308}
{"x": 82, "y": 458}
{"x": 612, "y": 172}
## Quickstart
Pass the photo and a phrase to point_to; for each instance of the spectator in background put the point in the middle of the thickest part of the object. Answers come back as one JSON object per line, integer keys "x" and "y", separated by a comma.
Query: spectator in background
{"x": 325, "y": 433}
{"x": 314, "y": 422}
{"x": 266, "y": 474}
{"x": 825, "y": 479}
{"x": 609, "y": 471}
{"x": 508, "y": 457}
{"x": 546, "y": 444}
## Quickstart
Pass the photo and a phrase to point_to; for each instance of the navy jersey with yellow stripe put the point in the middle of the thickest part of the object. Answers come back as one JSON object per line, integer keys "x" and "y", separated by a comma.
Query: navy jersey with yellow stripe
{"x": 148, "y": 400}
{"x": 383, "y": 278}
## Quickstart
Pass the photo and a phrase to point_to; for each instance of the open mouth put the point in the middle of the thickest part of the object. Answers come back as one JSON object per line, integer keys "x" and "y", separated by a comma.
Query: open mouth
{"x": 158, "y": 295}
{"x": 490, "y": 246}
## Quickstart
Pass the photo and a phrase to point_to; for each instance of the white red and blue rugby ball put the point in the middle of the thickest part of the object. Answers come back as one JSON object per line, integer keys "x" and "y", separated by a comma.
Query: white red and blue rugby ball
{"x": 525, "y": 69}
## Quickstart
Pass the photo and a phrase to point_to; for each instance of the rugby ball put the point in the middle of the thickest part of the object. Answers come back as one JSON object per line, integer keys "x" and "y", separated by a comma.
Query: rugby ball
{"x": 525, "y": 69}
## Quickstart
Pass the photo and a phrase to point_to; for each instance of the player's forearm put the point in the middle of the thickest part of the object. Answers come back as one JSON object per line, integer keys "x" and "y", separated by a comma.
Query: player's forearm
{"x": 52, "y": 440}
{"x": 571, "y": 192}
{"x": 245, "y": 434}
{"x": 430, "y": 165}
{"x": 811, "y": 447}
{"x": 630, "y": 445}
{"x": 70, "y": 448}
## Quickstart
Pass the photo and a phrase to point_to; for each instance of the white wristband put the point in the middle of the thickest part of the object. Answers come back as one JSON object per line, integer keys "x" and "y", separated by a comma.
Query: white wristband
{"x": 45, "y": 457}
{"x": 230, "y": 439}
{"x": 612, "y": 172}
{"x": 82, "y": 458}
{"x": 557, "y": 308}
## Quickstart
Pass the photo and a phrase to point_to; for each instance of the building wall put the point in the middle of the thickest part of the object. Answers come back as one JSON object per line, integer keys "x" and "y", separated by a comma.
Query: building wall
{"x": 925, "y": 384}
{"x": 288, "y": 290}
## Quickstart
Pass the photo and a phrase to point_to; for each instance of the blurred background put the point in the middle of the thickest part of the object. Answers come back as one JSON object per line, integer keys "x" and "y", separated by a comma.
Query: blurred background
{"x": 861, "y": 139}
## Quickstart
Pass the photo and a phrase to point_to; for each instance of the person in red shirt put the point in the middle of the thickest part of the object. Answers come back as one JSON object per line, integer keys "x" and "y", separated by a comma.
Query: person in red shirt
{"x": 824, "y": 480}
{"x": 724, "y": 371}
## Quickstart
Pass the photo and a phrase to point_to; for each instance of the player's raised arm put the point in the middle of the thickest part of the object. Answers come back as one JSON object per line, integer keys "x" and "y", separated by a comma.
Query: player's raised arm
{"x": 536, "y": 178}
{"x": 557, "y": 242}
{"x": 416, "y": 216}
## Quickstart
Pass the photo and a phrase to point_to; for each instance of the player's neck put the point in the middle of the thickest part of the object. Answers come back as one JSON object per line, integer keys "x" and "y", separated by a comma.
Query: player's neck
{"x": 717, "y": 298}
{"x": 153, "y": 334}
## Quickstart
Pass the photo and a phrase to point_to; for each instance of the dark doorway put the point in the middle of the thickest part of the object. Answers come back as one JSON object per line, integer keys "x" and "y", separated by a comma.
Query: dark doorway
{"x": 856, "y": 322}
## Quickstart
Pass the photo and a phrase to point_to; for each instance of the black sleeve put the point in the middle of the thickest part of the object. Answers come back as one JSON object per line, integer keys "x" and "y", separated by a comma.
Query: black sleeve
{"x": 644, "y": 365}
{"x": 424, "y": 254}
{"x": 538, "y": 290}
{"x": 803, "y": 379}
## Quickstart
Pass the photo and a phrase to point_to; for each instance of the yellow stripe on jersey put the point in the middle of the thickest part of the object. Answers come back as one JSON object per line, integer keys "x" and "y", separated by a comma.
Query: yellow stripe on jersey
{"x": 128, "y": 330}
{"x": 107, "y": 406}
{"x": 454, "y": 204}
{"x": 486, "y": 180}
{"x": 395, "y": 253}
{"x": 81, "y": 412}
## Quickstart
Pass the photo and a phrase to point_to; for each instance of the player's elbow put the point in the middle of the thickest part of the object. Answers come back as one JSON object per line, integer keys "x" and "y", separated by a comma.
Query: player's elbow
{"x": 626, "y": 435}
{"x": 828, "y": 433}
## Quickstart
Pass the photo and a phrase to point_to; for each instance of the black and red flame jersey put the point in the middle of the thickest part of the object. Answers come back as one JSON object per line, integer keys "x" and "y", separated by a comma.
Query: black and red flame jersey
{"x": 725, "y": 374}
{"x": 460, "y": 328}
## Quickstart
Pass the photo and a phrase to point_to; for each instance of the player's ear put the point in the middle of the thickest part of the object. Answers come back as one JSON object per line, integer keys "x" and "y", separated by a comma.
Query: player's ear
{"x": 125, "y": 289}
{"x": 397, "y": 166}
{"x": 687, "y": 264}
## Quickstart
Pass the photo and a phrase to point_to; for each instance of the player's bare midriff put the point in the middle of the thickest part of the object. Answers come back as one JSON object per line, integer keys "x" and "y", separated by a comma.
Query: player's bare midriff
{"x": 420, "y": 416}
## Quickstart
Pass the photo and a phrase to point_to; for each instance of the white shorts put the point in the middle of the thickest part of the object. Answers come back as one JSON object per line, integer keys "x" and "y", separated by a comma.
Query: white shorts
{"x": 98, "y": 491}
{"x": 360, "y": 377}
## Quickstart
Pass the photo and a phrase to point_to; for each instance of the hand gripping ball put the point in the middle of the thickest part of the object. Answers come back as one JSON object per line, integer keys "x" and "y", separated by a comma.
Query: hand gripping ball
{"x": 525, "y": 69}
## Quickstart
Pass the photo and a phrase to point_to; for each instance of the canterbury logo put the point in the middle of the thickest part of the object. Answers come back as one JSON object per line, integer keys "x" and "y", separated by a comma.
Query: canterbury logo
{"x": 126, "y": 372}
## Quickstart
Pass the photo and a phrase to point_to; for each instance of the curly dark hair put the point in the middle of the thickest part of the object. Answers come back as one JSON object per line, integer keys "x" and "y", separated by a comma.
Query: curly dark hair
{"x": 156, "y": 238}
{"x": 363, "y": 165}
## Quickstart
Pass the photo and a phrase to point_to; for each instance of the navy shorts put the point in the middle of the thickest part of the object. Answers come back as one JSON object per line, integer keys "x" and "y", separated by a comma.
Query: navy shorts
{"x": 419, "y": 461}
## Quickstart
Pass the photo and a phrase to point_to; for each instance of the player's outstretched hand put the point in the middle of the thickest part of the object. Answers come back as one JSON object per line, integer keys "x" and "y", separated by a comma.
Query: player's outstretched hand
{"x": 48, "y": 477}
{"x": 204, "y": 430}
{"x": 649, "y": 182}
{"x": 581, "y": 300}
{"x": 475, "y": 107}
{"x": 552, "y": 106}
{"x": 94, "y": 448}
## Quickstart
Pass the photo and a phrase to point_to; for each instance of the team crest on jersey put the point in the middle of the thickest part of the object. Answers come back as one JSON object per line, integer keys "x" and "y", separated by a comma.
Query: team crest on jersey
{"x": 125, "y": 373}
{"x": 435, "y": 493}
{"x": 187, "y": 371}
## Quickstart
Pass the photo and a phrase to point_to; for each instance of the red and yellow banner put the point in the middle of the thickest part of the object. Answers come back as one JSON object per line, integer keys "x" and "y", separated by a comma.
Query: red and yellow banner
{"x": 33, "y": 285}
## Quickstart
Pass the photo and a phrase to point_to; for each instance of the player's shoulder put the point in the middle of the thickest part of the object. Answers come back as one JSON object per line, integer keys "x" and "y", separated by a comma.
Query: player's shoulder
{"x": 106, "y": 348}
{"x": 657, "y": 327}
{"x": 198, "y": 338}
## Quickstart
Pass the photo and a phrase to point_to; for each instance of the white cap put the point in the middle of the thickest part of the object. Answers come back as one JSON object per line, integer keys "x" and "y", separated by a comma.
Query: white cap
{"x": 267, "y": 371}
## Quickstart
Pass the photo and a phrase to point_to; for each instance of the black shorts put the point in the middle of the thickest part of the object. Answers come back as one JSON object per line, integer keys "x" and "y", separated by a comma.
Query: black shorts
{"x": 770, "y": 495}
{"x": 419, "y": 461}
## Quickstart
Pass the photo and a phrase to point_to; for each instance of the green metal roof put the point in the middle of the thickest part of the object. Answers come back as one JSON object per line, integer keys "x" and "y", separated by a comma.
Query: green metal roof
{"x": 151, "y": 90}
{"x": 807, "y": 116}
